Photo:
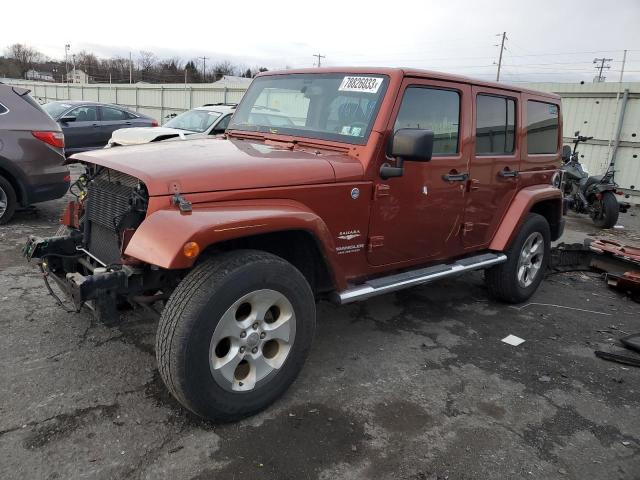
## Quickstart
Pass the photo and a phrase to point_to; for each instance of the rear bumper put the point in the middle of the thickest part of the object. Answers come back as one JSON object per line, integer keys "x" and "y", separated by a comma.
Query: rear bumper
{"x": 50, "y": 186}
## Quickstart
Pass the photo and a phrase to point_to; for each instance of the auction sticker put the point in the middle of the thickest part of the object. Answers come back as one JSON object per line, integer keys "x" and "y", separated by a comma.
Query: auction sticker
{"x": 360, "y": 84}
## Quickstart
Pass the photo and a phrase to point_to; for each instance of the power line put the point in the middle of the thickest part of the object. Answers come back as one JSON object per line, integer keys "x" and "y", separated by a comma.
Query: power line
{"x": 320, "y": 57}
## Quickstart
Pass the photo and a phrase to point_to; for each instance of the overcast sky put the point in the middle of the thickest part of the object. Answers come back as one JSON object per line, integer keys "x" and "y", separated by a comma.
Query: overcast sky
{"x": 549, "y": 40}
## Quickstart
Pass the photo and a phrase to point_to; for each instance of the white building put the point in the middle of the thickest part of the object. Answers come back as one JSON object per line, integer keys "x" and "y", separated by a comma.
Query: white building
{"x": 39, "y": 76}
{"x": 78, "y": 76}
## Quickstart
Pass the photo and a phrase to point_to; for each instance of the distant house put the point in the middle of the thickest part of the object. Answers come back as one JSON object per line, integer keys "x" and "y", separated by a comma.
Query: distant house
{"x": 231, "y": 81}
{"x": 78, "y": 76}
{"x": 40, "y": 76}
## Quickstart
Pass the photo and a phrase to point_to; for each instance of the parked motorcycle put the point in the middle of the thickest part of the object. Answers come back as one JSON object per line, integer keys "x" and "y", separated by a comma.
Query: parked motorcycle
{"x": 594, "y": 194}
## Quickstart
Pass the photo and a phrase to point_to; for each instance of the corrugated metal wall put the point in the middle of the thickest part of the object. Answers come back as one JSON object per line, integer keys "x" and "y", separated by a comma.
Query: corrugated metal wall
{"x": 594, "y": 109}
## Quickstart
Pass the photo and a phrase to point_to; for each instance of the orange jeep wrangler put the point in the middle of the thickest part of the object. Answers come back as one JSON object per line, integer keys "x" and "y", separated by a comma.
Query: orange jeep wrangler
{"x": 329, "y": 183}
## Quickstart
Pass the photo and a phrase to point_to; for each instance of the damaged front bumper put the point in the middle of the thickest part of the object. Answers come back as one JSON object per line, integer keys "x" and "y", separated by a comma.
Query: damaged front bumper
{"x": 62, "y": 259}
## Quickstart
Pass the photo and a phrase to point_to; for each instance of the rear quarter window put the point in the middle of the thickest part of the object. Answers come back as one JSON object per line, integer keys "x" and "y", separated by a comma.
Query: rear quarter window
{"x": 542, "y": 127}
{"x": 3, "y": 109}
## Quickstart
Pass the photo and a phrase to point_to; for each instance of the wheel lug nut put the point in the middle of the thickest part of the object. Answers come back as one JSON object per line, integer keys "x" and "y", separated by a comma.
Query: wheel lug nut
{"x": 255, "y": 326}
{"x": 243, "y": 334}
{"x": 254, "y": 350}
{"x": 262, "y": 335}
{"x": 241, "y": 349}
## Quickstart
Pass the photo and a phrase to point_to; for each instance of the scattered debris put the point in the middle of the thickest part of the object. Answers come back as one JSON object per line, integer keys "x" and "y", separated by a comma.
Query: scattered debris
{"x": 614, "y": 357}
{"x": 632, "y": 341}
{"x": 545, "y": 379}
{"x": 513, "y": 340}
{"x": 560, "y": 306}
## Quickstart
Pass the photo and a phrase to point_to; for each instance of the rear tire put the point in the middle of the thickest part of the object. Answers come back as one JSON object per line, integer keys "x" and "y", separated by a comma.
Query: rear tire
{"x": 235, "y": 334}
{"x": 519, "y": 277}
{"x": 8, "y": 201}
{"x": 608, "y": 211}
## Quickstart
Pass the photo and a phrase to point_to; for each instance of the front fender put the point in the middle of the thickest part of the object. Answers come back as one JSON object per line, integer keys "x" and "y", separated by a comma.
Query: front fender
{"x": 160, "y": 238}
{"x": 523, "y": 203}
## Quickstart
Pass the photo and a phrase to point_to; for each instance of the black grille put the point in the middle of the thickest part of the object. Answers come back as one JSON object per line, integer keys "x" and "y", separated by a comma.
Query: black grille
{"x": 108, "y": 200}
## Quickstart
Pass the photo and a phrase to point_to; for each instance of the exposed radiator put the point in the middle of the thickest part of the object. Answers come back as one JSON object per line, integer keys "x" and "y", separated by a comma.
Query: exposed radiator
{"x": 108, "y": 200}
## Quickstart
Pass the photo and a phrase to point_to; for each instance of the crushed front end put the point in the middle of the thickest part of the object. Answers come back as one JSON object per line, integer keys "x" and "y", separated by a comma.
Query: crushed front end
{"x": 86, "y": 260}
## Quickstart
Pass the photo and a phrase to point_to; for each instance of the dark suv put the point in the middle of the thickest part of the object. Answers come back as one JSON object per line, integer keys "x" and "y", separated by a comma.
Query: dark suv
{"x": 31, "y": 153}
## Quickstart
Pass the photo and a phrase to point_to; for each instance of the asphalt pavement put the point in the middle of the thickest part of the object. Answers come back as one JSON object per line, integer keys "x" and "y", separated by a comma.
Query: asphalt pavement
{"x": 412, "y": 385}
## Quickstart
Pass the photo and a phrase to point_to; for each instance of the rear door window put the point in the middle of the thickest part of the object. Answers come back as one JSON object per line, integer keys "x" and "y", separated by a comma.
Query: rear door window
{"x": 542, "y": 127}
{"x": 113, "y": 114}
{"x": 87, "y": 113}
{"x": 495, "y": 125}
{"x": 432, "y": 109}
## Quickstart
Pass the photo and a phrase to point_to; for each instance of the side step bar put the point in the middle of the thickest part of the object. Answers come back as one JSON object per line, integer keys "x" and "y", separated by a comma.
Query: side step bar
{"x": 391, "y": 283}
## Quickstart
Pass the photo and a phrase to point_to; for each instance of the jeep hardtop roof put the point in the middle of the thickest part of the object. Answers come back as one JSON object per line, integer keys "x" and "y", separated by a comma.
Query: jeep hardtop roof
{"x": 412, "y": 72}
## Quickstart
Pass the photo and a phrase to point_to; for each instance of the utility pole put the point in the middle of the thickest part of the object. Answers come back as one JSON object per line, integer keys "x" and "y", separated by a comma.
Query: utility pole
{"x": 130, "y": 69}
{"x": 602, "y": 66}
{"x": 624, "y": 60}
{"x": 66, "y": 62}
{"x": 204, "y": 68}
{"x": 320, "y": 57}
{"x": 504, "y": 37}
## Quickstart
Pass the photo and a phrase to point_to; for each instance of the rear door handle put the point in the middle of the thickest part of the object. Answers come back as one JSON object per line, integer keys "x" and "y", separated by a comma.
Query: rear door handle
{"x": 506, "y": 173}
{"x": 95, "y": 125}
{"x": 455, "y": 177}
{"x": 127, "y": 123}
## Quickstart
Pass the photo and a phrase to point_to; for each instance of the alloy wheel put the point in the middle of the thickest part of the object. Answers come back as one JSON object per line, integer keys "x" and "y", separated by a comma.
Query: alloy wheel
{"x": 4, "y": 201}
{"x": 530, "y": 260}
{"x": 252, "y": 340}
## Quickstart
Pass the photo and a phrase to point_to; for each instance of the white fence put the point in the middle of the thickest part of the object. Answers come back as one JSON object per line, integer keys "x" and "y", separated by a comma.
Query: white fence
{"x": 156, "y": 100}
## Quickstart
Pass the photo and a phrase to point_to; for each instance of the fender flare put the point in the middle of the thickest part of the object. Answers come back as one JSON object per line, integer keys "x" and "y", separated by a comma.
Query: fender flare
{"x": 160, "y": 238}
{"x": 521, "y": 205}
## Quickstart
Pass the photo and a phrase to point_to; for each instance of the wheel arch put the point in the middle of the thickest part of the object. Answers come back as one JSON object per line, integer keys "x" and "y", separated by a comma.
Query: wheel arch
{"x": 544, "y": 200}
{"x": 14, "y": 177}
{"x": 285, "y": 228}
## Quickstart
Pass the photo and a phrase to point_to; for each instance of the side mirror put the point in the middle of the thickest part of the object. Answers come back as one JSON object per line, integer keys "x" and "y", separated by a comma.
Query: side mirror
{"x": 67, "y": 119}
{"x": 410, "y": 144}
{"x": 566, "y": 152}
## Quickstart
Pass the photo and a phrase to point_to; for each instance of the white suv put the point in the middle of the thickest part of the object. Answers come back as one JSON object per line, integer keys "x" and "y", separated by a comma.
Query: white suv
{"x": 210, "y": 119}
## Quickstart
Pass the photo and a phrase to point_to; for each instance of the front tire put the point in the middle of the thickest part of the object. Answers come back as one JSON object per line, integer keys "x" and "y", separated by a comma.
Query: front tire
{"x": 519, "y": 277}
{"x": 606, "y": 211}
{"x": 8, "y": 201}
{"x": 235, "y": 334}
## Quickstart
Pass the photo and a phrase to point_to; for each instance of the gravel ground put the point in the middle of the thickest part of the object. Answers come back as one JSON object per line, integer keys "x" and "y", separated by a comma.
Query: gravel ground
{"x": 413, "y": 385}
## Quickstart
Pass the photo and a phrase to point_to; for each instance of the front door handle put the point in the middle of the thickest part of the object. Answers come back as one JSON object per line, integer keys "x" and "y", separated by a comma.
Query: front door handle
{"x": 454, "y": 176}
{"x": 95, "y": 125}
{"x": 506, "y": 173}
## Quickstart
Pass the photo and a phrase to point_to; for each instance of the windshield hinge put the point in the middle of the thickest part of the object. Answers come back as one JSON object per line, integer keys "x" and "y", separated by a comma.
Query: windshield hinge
{"x": 182, "y": 203}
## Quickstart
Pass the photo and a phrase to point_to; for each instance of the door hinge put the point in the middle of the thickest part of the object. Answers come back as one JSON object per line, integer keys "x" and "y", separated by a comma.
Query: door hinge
{"x": 467, "y": 227}
{"x": 381, "y": 190}
{"x": 375, "y": 242}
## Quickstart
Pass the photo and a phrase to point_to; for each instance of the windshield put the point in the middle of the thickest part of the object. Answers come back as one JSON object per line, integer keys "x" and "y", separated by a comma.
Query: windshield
{"x": 55, "y": 109}
{"x": 196, "y": 121}
{"x": 337, "y": 107}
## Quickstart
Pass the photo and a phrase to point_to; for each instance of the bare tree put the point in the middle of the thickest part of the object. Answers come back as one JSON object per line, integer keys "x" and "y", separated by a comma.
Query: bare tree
{"x": 24, "y": 56}
{"x": 146, "y": 63}
{"x": 223, "y": 68}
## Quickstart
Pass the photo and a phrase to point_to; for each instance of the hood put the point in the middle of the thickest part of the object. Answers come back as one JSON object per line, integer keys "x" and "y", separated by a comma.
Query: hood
{"x": 138, "y": 135}
{"x": 215, "y": 164}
